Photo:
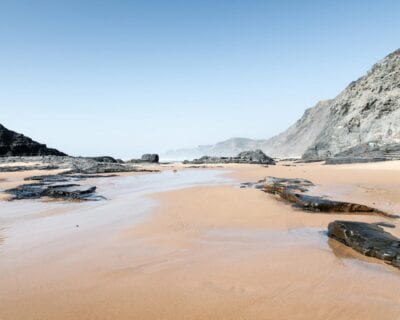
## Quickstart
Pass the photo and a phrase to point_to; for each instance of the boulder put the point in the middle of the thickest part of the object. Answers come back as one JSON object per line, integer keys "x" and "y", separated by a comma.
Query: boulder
{"x": 368, "y": 239}
{"x": 150, "y": 157}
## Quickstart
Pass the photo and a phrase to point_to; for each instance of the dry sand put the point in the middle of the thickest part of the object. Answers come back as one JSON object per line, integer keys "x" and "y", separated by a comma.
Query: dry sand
{"x": 211, "y": 252}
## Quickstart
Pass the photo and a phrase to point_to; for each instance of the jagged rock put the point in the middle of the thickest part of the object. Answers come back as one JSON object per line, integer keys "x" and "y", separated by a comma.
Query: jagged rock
{"x": 368, "y": 239}
{"x": 252, "y": 157}
{"x": 59, "y": 191}
{"x": 367, "y": 110}
{"x": 294, "y": 191}
{"x": 367, "y": 152}
{"x": 16, "y": 144}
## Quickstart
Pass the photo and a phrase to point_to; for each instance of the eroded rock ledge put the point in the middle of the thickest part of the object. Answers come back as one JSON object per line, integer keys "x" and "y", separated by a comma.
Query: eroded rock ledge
{"x": 64, "y": 185}
{"x": 368, "y": 239}
{"x": 250, "y": 157}
{"x": 295, "y": 192}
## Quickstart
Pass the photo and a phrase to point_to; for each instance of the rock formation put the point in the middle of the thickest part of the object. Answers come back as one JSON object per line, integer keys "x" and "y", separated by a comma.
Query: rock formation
{"x": 366, "y": 113}
{"x": 295, "y": 191}
{"x": 56, "y": 191}
{"x": 16, "y": 144}
{"x": 146, "y": 158}
{"x": 150, "y": 157}
{"x": 250, "y": 157}
{"x": 295, "y": 140}
{"x": 368, "y": 239}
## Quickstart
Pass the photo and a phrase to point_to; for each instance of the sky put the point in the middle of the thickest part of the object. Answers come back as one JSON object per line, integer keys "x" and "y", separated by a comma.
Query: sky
{"x": 123, "y": 78}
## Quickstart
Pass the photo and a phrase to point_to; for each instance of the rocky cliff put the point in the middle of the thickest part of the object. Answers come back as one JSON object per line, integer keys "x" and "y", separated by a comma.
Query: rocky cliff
{"x": 365, "y": 116}
{"x": 295, "y": 140}
{"x": 291, "y": 143}
{"x": 16, "y": 144}
{"x": 367, "y": 112}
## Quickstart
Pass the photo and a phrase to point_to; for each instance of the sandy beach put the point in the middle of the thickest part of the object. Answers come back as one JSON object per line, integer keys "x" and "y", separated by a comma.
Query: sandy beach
{"x": 192, "y": 244}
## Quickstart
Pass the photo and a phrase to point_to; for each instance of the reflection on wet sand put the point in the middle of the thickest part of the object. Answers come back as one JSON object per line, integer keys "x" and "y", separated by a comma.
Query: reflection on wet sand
{"x": 186, "y": 245}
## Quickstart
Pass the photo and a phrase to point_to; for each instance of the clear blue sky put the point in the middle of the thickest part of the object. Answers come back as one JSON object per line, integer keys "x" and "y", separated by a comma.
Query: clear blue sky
{"x": 127, "y": 77}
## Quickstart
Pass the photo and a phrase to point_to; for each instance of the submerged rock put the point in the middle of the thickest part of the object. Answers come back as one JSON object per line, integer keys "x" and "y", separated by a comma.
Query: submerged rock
{"x": 368, "y": 239}
{"x": 294, "y": 191}
{"x": 250, "y": 157}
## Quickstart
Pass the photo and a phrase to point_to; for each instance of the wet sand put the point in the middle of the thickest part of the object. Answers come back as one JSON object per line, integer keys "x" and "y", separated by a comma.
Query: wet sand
{"x": 193, "y": 245}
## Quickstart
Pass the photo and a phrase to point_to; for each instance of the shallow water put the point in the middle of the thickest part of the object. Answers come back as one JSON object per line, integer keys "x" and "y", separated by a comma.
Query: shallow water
{"x": 24, "y": 224}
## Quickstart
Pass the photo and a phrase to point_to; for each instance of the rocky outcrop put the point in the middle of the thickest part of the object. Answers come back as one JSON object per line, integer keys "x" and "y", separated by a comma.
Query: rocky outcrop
{"x": 368, "y": 239}
{"x": 295, "y": 191}
{"x": 146, "y": 158}
{"x": 367, "y": 152}
{"x": 16, "y": 144}
{"x": 150, "y": 157}
{"x": 62, "y": 191}
{"x": 250, "y": 157}
{"x": 367, "y": 111}
{"x": 105, "y": 159}
{"x": 86, "y": 166}
{"x": 295, "y": 140}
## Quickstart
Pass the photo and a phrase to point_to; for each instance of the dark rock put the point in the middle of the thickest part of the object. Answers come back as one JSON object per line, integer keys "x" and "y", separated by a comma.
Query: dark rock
{"x": 75, "y": 192}
{"x": 27, "y": 168}
{"x": 153, "y": 158}
{"x": 294, "y": 191}
{"x": 49, "y": 178}
{"x": 59, "y": 191}
{"x": 67, "y": 177}
{"x": 146, "y": 158}
{"x": 103, "y": 159}
{"x": 16, "y": 144}
{"x": 250, "y": 157}
{"x": 368, "y": 239}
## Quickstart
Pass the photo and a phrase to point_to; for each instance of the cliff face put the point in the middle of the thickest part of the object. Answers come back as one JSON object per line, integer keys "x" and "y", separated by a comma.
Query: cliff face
{"x": 16, "y": 144}
{"x": 367, "y": 111}
{"x": 365, "y": 116}
{"x": 295, "y": 140}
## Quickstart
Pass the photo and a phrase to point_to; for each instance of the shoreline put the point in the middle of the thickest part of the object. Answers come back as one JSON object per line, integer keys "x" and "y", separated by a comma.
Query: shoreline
{"x": 202, "y": 252}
